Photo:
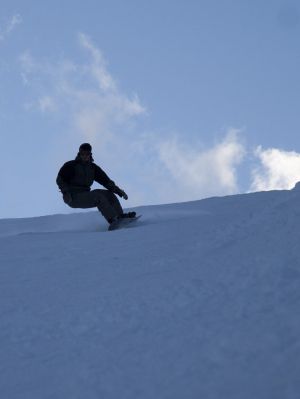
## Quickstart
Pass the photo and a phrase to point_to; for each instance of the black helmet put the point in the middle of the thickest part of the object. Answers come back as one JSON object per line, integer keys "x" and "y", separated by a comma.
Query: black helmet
{"x": 85, "y": 147}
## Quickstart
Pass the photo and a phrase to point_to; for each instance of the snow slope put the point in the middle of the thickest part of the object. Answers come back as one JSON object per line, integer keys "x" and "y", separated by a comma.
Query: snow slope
{"x": 197, "y": 300}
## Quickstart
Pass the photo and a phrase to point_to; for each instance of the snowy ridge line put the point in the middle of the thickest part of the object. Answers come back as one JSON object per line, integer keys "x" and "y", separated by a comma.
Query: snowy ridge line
{"x": 201, "y": 209}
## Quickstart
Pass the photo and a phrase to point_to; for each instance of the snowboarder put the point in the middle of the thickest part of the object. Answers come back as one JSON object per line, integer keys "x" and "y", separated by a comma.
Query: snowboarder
{"x": 75, "y": 179}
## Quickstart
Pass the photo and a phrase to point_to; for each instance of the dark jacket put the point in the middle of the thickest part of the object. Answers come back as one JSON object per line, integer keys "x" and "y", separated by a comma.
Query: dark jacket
{"x": 77, "y": 176}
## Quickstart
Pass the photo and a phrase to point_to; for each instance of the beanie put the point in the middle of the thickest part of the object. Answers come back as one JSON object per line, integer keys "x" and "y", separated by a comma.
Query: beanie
{"x": 85, "y": 147}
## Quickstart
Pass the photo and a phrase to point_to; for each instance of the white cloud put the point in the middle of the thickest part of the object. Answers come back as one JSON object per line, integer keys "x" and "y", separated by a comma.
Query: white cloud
{"x": 86, "y": 93}
{"x": 98, "y": 67}
{"x": 27, "y": 62}
{"x": 47, "y": 104}
{"x": 200, "y": 173}
{"x": 13, "y": 22}
{"x": 278, "y": 170}
{"x": 10, "y": 26}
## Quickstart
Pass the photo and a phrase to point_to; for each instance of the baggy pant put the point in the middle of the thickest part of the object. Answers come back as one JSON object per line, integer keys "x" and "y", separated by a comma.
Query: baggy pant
{"x": 106, "y": 202}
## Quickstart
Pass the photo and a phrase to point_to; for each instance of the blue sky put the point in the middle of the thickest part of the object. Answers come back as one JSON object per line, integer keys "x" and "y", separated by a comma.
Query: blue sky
{"x": 181, "y": 100}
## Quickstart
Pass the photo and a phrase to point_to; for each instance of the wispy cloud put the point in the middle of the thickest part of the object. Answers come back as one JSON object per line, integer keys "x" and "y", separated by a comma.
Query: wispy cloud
{"x": 94, "y": 110}
{"x": 47, "y": 104}
{"x": 10, "y": 26}
{"x": 278, "y": 170}
{"x": 98, "y": 67}
{"x": 204, "y": 172}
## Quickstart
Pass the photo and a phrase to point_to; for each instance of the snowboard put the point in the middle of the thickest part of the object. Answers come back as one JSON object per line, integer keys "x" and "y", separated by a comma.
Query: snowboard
{"x": 123, "y": 223}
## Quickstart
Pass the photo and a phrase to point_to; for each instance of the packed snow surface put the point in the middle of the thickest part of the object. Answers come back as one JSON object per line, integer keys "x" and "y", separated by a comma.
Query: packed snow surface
{"x": 196, "y": 300}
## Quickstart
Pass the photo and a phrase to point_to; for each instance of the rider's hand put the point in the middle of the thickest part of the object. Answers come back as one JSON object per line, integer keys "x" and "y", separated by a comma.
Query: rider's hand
{"x": 124, "y": 195}
{"x": 121, "y": 193}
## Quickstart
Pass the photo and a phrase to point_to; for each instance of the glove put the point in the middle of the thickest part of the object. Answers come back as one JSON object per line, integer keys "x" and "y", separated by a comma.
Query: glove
{"x": 121, "y": 193}
{"x": 67, "y": 197}
{"x": 124, "y": 195}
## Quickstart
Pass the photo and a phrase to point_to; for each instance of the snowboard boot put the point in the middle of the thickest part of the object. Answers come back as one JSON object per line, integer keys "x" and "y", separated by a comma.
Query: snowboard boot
{"x": 129, "y": 215}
